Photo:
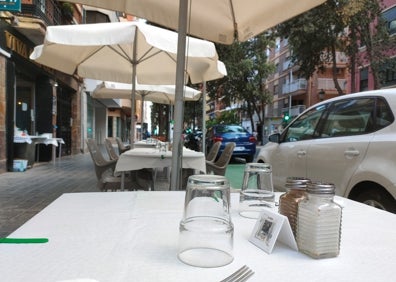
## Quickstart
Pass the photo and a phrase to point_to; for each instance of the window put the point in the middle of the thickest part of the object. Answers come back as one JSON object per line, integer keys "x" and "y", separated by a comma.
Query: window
{"x": 392, "y": 27}
{"x": 390, "y": 19}
{"x": 276, "y": 89}
{"x": 383, "y": 115}
{"x": 349, "y": 117}
{"x": 305, "y": 127}
{"x": 364, "y": 79}
{"x": 42, "y": 5}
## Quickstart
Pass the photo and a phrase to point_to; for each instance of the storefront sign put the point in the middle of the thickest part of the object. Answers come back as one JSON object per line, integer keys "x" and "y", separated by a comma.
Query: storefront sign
{"x": 17, "y": 45}
{"x": 10, "y": 5}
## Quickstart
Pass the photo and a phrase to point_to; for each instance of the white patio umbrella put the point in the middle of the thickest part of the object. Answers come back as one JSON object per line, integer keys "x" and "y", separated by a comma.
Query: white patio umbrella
{"x": 222, "y": 21}
{"x": 161, "y": 94}
{"x": 126, "y": 52}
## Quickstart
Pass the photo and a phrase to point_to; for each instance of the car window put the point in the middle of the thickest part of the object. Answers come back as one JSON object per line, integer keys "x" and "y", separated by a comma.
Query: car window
{"x": 350, "y": 117}
{"x": 229, "y": 129}
{"x": 383, "y": 115}
{"x": 305, "y": 127}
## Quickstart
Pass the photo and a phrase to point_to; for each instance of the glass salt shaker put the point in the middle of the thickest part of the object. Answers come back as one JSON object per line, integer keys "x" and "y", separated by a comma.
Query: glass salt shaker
{"x": 288, "y": 202}
{"x": 319, "y": 222}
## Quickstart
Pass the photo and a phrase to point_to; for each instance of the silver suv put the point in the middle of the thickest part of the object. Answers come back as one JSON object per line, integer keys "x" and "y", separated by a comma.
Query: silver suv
{"x": 349, "y": 140}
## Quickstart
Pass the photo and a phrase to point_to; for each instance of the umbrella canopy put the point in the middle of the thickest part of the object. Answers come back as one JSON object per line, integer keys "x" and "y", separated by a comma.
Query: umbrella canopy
{"x": 161, "y": 94}
{"x": 220, "y": 21}
{"x": 109, "y": 51}
{"x": 126, "y": 52}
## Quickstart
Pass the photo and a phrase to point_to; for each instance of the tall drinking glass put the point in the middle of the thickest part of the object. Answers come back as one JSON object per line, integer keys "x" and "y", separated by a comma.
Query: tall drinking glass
{"x": 206, "y": 230}
{"x": 257, "y": 191}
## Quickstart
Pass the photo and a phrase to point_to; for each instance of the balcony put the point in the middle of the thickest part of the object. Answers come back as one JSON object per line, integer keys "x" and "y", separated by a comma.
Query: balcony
{"x": 296, "y": 85}
{"x": 35, "y": 17}
{"x": 48, "y": 11}
{"x": 328, "y": 84}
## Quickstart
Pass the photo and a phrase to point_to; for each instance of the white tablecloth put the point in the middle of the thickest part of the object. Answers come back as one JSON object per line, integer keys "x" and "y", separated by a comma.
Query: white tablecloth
{"x": 132, "y": 236}
{"x": 145, "y": 144}
{"x": 139, "y": 158}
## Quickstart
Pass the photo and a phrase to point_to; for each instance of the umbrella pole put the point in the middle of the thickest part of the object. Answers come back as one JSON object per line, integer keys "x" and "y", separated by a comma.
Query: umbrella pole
{"x": 133, "y": 94}
{"x": 177, "y": 147}
{"x": 141, "y": 118}
{"x": 203, "y": 149}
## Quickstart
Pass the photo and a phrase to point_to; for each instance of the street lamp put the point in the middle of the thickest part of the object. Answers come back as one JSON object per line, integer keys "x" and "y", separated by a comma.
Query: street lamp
{"x": 321, "y": 95}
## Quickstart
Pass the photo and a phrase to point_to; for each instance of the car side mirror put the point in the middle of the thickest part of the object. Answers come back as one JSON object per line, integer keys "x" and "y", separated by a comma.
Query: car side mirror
{"x": 275, "y": 138}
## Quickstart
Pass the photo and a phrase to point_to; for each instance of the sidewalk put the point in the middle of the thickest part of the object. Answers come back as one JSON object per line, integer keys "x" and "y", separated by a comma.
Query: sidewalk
{"x": 24, "y": 194}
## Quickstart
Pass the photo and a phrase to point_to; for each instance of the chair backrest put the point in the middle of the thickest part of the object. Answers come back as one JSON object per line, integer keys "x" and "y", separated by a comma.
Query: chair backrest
{"x": 110, "y": 149}
{"x": 100, "y": 163}
{"x": 121, "y": 147}
{"x": 226, "y": 155}
{"x": 211, "y": 156}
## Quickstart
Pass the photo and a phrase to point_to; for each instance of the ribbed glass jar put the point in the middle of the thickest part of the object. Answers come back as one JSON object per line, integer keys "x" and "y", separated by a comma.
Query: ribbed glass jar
{"x": 288, "y": 202}
{"x": 319, "y": 222}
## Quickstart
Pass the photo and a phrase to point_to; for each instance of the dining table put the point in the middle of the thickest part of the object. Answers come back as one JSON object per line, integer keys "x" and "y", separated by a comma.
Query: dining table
{"x": 146, "y": 143}
{"x": 133, "y": 236}
{"x": 155, "y": 158}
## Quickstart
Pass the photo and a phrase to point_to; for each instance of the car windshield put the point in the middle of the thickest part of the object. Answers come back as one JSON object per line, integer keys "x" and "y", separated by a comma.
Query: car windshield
{"x": 230, "y": 129}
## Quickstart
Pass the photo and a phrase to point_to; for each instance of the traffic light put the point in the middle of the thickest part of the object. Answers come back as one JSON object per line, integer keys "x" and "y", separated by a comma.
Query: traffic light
{"x": 286, "y": 117}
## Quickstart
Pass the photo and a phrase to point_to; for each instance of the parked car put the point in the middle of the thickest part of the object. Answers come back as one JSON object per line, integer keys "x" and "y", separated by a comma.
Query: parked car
{"x": 349, "y": 140}
{"x": 245, "y": 141}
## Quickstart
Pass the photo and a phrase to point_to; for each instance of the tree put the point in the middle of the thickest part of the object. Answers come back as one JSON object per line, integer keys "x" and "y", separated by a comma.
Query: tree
{"x": 337, "y": 25}
{"x": 247, "y": 68}
{"x": 314, "y": 39}
{"x": 226, "y": 117}
{"x": 368, "y": 32}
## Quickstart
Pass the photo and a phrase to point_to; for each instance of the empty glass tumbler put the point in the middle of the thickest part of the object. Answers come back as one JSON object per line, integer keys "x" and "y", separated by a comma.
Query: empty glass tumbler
{"x": 257, "y": 191}
{"x": 206, "y": 230}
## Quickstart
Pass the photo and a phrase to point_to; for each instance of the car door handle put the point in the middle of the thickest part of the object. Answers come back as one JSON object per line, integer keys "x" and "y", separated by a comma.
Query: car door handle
{"x": 351, "y": 153}
{"x": 301, "y": 153}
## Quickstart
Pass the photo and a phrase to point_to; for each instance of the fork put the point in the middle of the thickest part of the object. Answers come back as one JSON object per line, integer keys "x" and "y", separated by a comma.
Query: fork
{"x": 241, "y": 275}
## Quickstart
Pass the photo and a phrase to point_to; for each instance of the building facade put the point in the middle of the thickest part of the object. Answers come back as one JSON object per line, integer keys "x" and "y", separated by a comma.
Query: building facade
{"x": 39, "y": 100}
{"x": 35, "y": 99}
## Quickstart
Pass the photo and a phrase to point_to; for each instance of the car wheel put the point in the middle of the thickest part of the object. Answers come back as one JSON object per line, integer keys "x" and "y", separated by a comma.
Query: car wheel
{"x": 378, "y": 198}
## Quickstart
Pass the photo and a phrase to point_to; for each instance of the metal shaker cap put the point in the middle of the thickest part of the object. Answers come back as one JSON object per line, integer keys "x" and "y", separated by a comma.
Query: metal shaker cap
{"x": 321, "y": 188}
{"x": 300, "y": 183}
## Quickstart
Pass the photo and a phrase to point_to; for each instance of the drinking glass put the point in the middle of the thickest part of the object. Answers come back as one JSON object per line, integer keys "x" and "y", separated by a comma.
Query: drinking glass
{"x": 257, "y": 191}
{"x": 206, "y": 231}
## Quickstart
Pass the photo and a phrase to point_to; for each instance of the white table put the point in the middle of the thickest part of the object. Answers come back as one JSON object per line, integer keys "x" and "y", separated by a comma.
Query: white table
{"x": 145, "y": 144}
{"x": 132, "y": 236}
{"x": 55, "y": 142}
{"x": 139, "y": 158}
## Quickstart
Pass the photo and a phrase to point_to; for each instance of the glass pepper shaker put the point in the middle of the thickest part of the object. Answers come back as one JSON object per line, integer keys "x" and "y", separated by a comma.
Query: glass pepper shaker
{"x": 319, "y": 222}
{"x": 288, "y": 202}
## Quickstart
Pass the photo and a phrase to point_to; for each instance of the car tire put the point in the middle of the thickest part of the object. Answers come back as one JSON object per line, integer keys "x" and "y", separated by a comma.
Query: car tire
{"x": 378, "y": 198}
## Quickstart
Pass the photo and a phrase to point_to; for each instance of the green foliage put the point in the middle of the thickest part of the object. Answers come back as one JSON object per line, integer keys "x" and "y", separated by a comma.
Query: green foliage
{"x": 338, "y": 25}
{"x": 247, "y": 68}
{"x": 226, "y": 117}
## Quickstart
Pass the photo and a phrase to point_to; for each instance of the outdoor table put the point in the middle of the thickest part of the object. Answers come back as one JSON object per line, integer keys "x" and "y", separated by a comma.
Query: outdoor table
{"x": 55, "y": 142}
{"x": 133, "y": 236}
{"x": 143, "y": 157}
{"x": 145, "y": 144}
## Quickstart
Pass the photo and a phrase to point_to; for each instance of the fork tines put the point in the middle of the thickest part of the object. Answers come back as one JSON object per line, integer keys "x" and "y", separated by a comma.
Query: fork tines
{"x": 241, "y": 275}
